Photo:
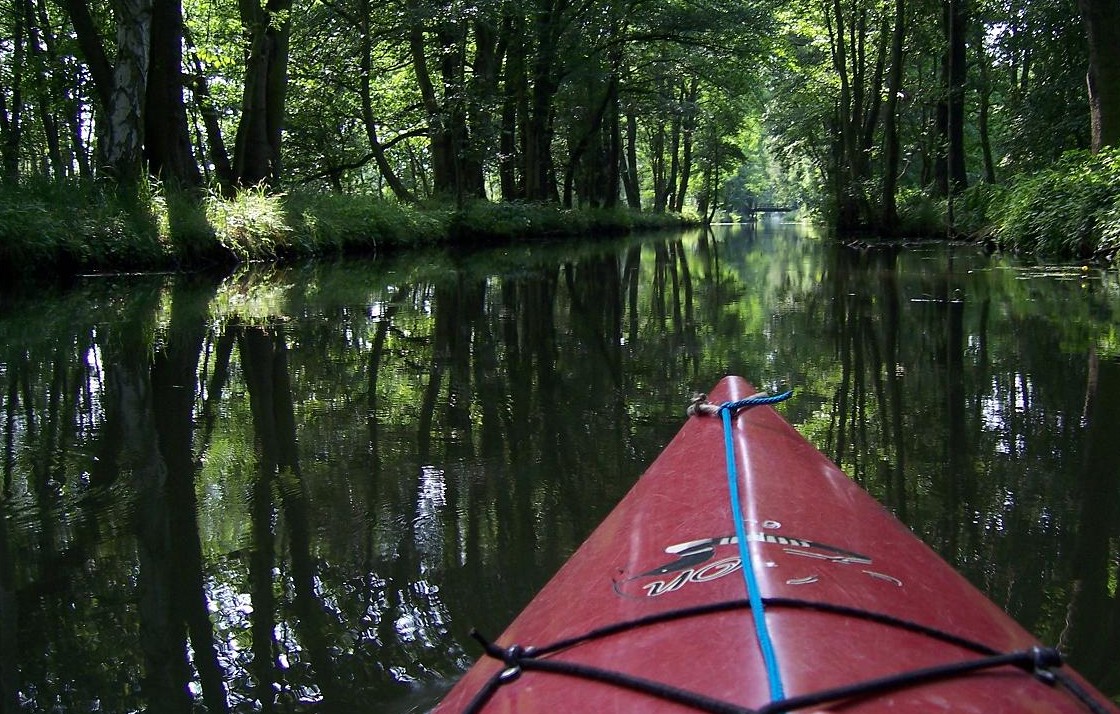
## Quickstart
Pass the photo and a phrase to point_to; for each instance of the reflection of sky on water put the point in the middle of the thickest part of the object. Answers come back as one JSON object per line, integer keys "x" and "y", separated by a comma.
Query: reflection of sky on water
{"x": 1002, "y": 410}
{"x": 431, "y": 500}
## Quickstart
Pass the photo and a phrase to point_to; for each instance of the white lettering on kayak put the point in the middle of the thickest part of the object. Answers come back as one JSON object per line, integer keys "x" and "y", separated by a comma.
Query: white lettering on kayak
{"x": 711, "y": 571}
{"x": 693, "y": 562}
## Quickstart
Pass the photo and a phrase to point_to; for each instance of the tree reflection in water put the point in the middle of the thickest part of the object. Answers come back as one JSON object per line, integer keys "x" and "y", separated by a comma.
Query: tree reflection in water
{"x": 298, "y": 490}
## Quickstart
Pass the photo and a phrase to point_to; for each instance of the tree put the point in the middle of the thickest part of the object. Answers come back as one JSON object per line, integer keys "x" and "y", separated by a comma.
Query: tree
{"x": 951, "y": 172}
{"x": 142, "y": 118}
{"x": 860, "y": 70}
{"x": 889, "y": 216}
{"x": 1034, "y": 58}
{"x": 167, "y": 143}
{"x": 267, "y": 29}
{"x": 11, "y": 101}
{"x": 1101, "y": 19}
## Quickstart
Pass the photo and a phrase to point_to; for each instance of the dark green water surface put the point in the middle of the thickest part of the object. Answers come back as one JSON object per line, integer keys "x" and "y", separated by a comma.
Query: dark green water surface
{"x": 297, "y": 490}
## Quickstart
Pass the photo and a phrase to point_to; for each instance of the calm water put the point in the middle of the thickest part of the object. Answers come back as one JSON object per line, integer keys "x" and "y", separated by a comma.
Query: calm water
{"x": 297, "y": 490}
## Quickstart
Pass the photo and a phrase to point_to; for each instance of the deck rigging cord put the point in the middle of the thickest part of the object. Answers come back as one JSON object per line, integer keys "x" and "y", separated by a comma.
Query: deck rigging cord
{"x": 1042, "y": 663}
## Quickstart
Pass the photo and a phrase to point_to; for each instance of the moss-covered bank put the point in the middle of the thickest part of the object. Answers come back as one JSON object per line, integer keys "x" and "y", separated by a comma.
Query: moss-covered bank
{"x": 52, "y": 228}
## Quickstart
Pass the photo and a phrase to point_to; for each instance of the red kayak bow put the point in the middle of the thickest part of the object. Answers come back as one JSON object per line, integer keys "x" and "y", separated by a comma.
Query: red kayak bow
{"x": 767, "y": 583}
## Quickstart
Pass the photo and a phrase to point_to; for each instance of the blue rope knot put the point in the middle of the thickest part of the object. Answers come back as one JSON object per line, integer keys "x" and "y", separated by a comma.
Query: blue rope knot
{"x": 760, "y": 399}
{"x": 700, "y": 404}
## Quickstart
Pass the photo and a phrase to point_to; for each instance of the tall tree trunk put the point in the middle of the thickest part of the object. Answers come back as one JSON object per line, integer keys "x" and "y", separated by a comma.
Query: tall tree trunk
{"x": 259, "y": 132}
{"x": 11, "y": 114}
{"x": 657, "y": 166}
{"x": 120, "y": 88}
{"x": 848, "y": 165}
{"x": 952, "y": 176}
{"x": 482, "y": 92}
{"x": 984, "y": 111}
{"x": 1101, "y": 19}
{"x": 366, "y": 95}
{"x": 613, "y": 157}
{"x": 167, "y": 143}
{"x": 123, "y": 142}
{"x": 441, "y": 142}
{"x": 687, "y": 130}
{"x": 62, "y": 156}
{"x": 586, "y": 145}
{"x": 630, "y": 170}
{"x": 515, "y": 91}
{"x": 58, "y": 167}
{"x": 889, "y": 218}
{"x": 669, "y": 199}
{"x": 215, "y": 144}
{"x": 92, "y": 49}
{"x": 540, "y": 184}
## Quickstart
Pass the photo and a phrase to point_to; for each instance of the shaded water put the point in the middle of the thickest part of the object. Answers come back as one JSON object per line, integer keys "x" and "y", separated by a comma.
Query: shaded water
{"x": 297, "y": 490}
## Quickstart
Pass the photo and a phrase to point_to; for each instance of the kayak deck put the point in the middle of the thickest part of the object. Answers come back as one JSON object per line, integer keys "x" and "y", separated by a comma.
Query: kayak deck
{"x": 651, "y": 613}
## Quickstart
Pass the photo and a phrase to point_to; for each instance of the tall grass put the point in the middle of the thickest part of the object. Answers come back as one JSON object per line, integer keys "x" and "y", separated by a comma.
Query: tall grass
{"x": 76, "y": 224}
{"x": 81, "y": 226}
{"x": 483, "y": 220}
{"x": 361, "y": 223}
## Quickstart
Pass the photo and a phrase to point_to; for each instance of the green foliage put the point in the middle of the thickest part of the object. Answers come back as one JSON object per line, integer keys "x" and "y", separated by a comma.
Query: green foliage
{"x": 482, "y": 220}
{"x": 1044, "y": 112}
{"x": 1071, "y": 209}
{"x": 47, "y": 226}
{"x": 971, "y": 209}
{"x": 920, "y": 214}
{"x": 79, "y": 224}
{"x": 361, "y": 222}
{"x": 251, "y": 225}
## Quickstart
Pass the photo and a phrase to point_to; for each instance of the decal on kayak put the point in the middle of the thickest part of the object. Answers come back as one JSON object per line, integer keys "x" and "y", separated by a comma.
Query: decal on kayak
{"x": 696, "y": 552}
{"x": 693, "y": 563}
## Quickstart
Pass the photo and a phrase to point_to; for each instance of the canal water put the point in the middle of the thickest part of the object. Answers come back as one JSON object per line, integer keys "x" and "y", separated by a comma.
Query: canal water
{"x": 298, "y": 489}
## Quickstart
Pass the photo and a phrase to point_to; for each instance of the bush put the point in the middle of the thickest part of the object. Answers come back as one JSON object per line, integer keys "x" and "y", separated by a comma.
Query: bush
{"x": 919, "y": 214}
{"x": 79, "y": 224}
{"x": 483, "y": 220}
{"x": 972, "y": 208}
{"x": 1071, "y": 209}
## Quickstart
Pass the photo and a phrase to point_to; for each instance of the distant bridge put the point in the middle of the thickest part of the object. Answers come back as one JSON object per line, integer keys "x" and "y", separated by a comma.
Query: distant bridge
{"x": 755, "y": 210}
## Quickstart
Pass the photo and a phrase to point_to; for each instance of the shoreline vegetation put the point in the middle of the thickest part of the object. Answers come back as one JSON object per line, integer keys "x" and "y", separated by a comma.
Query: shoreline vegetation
{"x": 1068, "y": 211}
{"x": 65, "y": 228}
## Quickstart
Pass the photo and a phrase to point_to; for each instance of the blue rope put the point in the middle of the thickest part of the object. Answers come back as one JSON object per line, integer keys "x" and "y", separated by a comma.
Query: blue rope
{"x": 757, "y": 400}
{"x": 769, "y": 658}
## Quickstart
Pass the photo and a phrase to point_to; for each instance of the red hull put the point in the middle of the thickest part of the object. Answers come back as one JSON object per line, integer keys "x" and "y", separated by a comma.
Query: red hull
{"x": 814, "y": 537}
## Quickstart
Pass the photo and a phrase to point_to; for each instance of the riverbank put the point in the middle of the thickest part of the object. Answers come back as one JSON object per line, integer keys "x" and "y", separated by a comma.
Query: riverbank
{"x": 67, "y": 228}
{"x": 1070, "y": 210}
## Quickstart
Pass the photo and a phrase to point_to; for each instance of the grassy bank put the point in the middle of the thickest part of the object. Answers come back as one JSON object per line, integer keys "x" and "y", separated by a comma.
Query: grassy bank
{"x": 1070, "y": 210}
{"x": 77, "y": 227}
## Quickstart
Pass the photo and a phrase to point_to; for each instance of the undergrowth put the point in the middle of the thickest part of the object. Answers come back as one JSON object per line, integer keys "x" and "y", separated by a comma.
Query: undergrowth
{"x": 1069, "y": 210}
{"x": 81, "y": 226}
